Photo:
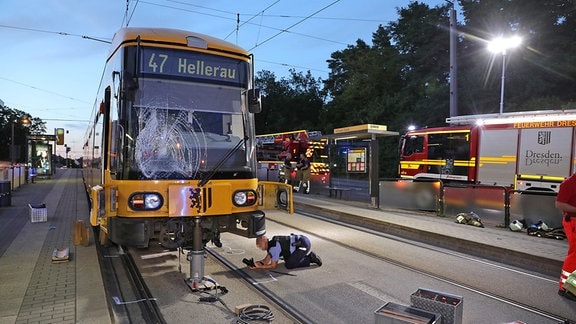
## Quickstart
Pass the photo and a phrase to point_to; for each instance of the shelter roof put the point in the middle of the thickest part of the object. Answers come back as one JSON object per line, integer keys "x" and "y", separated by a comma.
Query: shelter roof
{"x": 361, "y": 132}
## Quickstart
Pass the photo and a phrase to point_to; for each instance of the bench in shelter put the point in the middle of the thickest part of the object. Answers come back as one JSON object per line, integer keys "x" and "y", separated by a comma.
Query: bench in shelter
{"x": 337, "y": 191}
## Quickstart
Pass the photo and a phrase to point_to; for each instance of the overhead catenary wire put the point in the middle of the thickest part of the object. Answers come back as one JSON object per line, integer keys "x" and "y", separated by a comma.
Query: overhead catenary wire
{"x": 238, "y": 25}
{"x": 180, "y": 5}
{"x": 98, "y": 39}
{"x": 261, "y": 13}
{"x": 43, "y": 90}
{"x": 126, "y": 13}
{"x": 234, "y": 15}
{"x": 295, "y": 24}
{"x": 294, "y": 66}
{"x": 326, "y": 18}
{"x": 128, "y": 18}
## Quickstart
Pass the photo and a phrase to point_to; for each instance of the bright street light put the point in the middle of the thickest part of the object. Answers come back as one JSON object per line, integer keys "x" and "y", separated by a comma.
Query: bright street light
{"x": 499, "y": 46}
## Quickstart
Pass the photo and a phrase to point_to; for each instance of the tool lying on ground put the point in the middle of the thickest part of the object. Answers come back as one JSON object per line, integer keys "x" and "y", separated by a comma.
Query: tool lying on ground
{"x": 249, "y": 262}
{"x": 469, "y": 219}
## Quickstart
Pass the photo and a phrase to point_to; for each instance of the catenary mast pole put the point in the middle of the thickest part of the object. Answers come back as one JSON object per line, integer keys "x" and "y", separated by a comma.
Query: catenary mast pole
{"x": 453, "y": 63}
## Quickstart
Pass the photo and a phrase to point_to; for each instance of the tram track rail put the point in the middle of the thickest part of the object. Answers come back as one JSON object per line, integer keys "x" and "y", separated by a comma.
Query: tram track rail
{"x": 293, "y": 313}
{"x": 422, "y": 271}
{"x": 514, "y": 258}
{"x": 129, "y": 299}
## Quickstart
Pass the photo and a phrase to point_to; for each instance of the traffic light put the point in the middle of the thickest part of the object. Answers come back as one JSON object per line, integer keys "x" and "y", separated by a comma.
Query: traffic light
{"x": 59, "y": 136}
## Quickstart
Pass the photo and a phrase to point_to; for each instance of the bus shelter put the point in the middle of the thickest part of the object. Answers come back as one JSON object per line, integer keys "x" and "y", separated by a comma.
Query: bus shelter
{"x": 39, "y": 157}
{"x": 354, "y": 158}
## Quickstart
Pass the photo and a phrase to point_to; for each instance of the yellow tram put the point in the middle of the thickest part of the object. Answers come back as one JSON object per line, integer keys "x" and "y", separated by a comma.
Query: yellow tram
{"x": 170, "y": 152}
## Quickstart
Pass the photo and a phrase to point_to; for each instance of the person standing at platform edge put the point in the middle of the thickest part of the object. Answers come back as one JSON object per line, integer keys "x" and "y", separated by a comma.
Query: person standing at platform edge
{"x": 296, "y": 250}
{"x": 288, "y": 168}
{"x": 566, "y": 202}
{"x": 303, "y": 174}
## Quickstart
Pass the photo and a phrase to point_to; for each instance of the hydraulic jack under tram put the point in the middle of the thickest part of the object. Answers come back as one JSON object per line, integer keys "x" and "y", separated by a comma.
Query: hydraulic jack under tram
{"x": 196, "y": 257}
{"x": 197, "y": 281}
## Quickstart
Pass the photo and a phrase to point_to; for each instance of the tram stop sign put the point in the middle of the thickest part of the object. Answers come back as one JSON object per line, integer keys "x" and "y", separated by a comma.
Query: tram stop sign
{"x": 59, "y": 136}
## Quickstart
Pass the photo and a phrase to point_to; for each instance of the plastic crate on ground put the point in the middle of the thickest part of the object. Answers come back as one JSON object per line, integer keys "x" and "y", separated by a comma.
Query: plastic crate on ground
{"x": 38, "y": 213}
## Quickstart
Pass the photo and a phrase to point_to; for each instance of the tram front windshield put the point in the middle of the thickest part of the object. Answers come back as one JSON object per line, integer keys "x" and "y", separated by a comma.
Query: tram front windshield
{"x": 183, "y": 130}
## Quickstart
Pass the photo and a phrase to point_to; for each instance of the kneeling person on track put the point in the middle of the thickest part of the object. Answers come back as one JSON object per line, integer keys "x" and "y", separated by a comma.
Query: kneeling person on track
{"x": 296, "y": 250}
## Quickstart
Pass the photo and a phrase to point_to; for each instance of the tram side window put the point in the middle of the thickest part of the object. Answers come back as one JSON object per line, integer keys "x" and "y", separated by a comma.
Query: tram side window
{"x": 413, "y": 144}
{"x": 116, "y": 151}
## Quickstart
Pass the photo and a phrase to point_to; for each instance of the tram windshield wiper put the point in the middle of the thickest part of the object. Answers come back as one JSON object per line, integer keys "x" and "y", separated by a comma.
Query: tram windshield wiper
{"x": 225, "y": 158}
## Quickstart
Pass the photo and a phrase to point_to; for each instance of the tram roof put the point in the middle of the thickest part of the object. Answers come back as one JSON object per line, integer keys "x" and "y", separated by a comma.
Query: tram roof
{"x": 169, "y": 36}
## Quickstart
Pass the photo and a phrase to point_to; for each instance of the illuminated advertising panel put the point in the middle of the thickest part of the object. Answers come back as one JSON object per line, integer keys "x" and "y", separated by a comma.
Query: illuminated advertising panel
{"x": 356, "y": 160}
{"x": 41, "y": 158}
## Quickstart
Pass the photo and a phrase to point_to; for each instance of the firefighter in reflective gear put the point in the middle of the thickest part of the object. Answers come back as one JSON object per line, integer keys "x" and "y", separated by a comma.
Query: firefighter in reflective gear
{"x": 303, "y": 174}
{"x": 566, "y": 202}
{"x": 296, "y": 250}
{"x": 286, "y": 172}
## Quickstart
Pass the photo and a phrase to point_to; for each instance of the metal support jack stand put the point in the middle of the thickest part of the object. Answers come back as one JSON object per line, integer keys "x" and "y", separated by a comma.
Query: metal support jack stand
{"x": 196, "y": 257}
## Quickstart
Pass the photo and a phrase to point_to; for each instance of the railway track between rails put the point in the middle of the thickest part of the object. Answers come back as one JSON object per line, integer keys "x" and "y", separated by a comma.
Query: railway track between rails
{"x": 137, "y": 294}
{"x": 129, "y": 299}
{"x": 296, "y": 315}
{"x": 281, "y": 289}
{"x": 426, "y": 272}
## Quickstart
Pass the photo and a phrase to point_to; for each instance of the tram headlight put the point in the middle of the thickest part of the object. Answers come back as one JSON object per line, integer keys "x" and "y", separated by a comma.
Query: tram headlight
{"x": 244, "y": 198}
{"x": 152, "y": 201}
{"x": 145, "y": 201}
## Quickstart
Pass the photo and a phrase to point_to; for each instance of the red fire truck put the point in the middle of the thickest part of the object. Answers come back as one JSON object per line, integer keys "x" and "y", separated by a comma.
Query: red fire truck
{"x": 271, "y": 150}
{"x": 521, "y": 150}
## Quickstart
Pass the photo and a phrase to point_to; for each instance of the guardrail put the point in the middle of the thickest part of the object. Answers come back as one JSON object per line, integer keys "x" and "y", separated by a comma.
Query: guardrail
{"x": 496, "y": 205}
{"x": 15, "y": 174}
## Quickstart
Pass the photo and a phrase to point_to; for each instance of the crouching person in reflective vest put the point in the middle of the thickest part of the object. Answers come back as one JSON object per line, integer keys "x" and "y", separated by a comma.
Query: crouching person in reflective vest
{"x": 296, "y": 250}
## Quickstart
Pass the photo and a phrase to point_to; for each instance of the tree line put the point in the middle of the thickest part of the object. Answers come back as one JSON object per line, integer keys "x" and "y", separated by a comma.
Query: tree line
{"x": 402, "y": 77}
{"x": 13, "y": 130}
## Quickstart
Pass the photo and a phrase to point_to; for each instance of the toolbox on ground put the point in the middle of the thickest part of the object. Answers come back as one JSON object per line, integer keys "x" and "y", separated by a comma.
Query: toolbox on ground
{"x": 448, "y": 305}
{"x": 392, "y": 313}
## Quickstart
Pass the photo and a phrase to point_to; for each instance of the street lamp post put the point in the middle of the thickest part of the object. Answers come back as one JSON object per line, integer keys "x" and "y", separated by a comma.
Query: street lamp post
{"x": 500, "y": 46}
{"x": 453, "y": 62}
{"x": 502, "y": 82}
{"x": 12, "y": 153}
{"x": 24, "y": 121}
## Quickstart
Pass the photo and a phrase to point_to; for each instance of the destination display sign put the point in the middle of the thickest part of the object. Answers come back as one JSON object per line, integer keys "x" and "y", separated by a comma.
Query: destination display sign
{"x": 193, "y": 65}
